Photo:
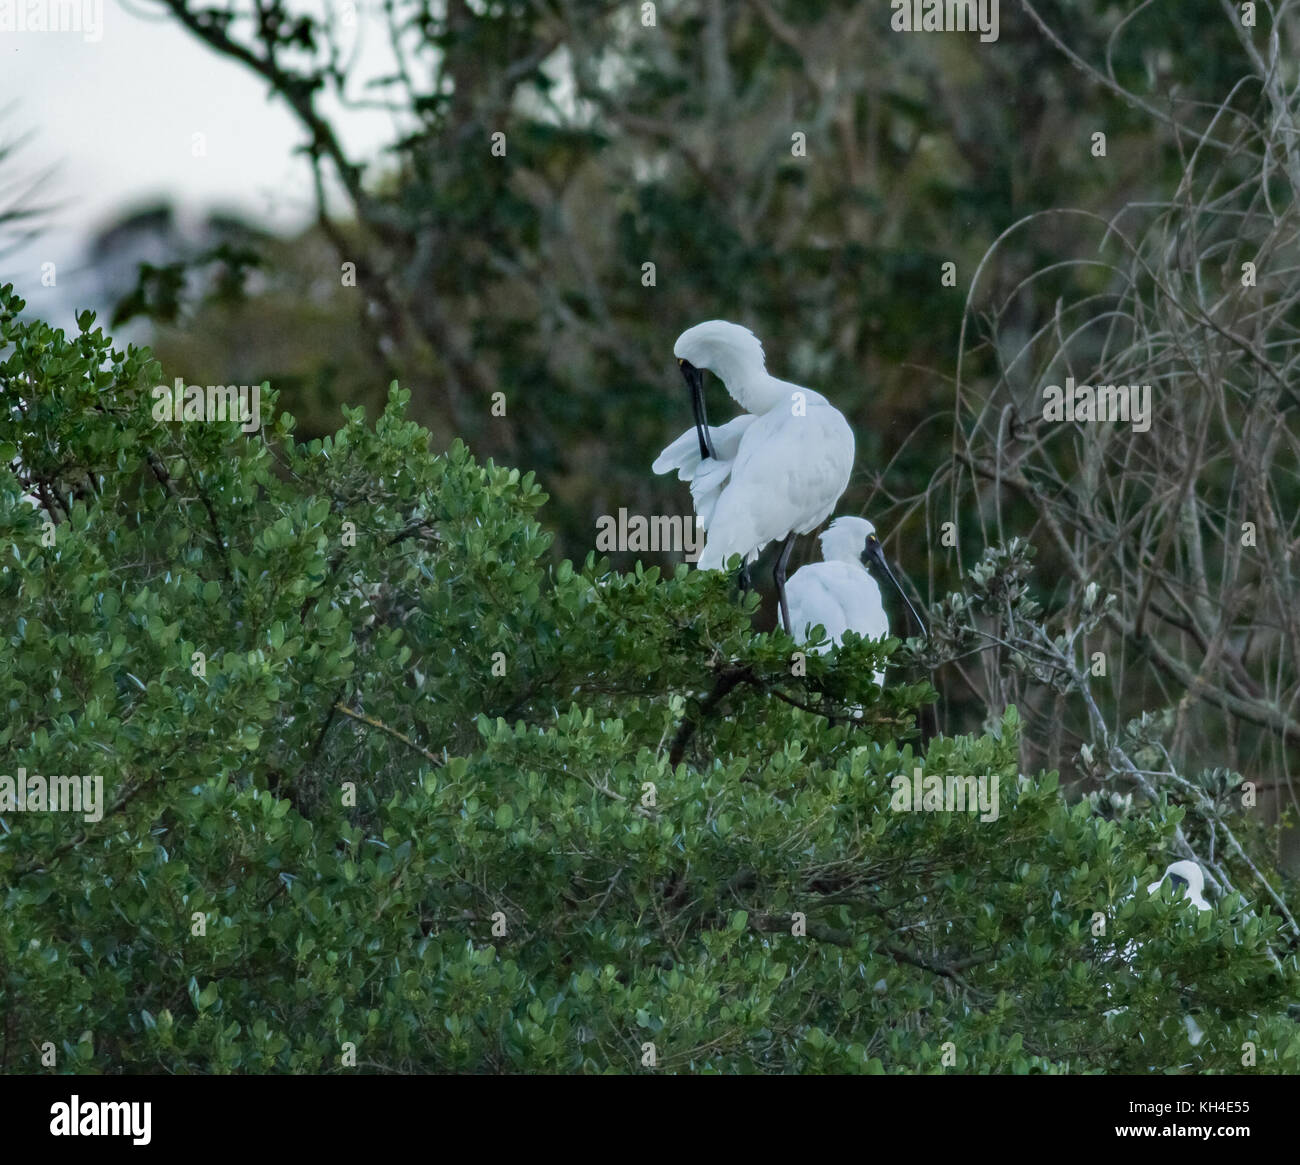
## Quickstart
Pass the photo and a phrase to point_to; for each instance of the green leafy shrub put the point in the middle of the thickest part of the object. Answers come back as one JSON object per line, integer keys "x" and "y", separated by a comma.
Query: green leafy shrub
{"x": 414, "y": 807}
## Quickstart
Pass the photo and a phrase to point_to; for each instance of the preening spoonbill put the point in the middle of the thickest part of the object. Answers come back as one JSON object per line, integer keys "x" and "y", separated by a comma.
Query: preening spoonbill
{"x": 840, "y": 592}
{"x": 770, "y": 475}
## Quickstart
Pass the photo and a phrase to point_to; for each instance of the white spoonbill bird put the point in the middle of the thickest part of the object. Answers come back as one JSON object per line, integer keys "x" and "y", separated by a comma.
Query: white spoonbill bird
{"x": 768, "y": 475}
{"x": 839, "y": 592}
{"x": 1191, "y": 878}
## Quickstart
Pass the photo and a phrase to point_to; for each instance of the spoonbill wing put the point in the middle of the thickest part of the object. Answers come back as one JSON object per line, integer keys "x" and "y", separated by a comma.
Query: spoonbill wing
{"x": 710, "y": 480}
{"x": 788, "y": 473}
{"x": 683, "y": 454}
{"x": 813, "y": 600}
{"x": 708, "y": 476}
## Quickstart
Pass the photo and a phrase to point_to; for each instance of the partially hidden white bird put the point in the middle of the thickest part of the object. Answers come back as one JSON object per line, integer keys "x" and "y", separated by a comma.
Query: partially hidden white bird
{"x": 1191, "y": 878}
{"x": 768, "y": 475}
{"x": 839, "y": 592}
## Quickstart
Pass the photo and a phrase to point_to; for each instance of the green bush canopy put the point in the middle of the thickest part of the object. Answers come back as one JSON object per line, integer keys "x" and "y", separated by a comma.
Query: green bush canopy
{"x": 388, "y": 789}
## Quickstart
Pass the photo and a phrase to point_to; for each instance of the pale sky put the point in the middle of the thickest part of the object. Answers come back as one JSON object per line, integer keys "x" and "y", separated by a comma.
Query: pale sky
{"x": 116, "y": 117}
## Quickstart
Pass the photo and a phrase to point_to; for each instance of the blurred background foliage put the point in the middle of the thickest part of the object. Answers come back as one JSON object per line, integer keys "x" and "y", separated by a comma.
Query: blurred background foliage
{"x": 672, "y": 145}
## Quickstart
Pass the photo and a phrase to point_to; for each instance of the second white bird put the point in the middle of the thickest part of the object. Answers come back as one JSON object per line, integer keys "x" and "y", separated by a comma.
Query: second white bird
{"x": 839, "y": 593}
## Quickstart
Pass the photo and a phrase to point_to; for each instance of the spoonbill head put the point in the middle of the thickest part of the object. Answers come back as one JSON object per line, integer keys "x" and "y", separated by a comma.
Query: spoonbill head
{"x": 840, "y": 592}
{"x": 732, "y": 353}
{"x": 873, "y": 558}
{"x": 778, "y": 474}
{"x": 1190, "y": 877}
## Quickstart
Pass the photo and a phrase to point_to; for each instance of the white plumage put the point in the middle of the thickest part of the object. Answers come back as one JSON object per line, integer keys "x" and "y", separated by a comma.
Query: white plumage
{"x": 838, "y": 592}
{"x": 1192, "y": 879}
{"x": 707, "y": 476}
{"x": 769, "y": 475}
